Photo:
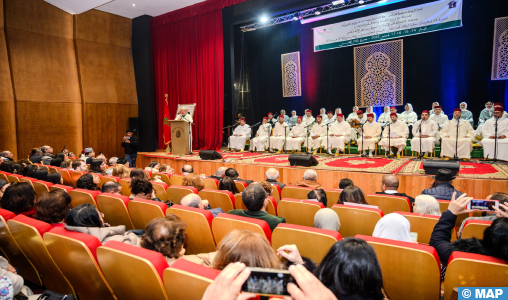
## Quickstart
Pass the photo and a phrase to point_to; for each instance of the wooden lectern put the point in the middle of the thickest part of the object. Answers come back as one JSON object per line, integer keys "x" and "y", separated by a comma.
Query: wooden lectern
{"x": 180, "y": 139}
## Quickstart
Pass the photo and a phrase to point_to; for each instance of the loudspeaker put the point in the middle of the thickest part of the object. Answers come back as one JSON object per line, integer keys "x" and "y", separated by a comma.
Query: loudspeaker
{"x": 134, "y": 124}
{"x": 431, "y": 166}
{"x": 209, "y": 154}
{"x": 302, "y": 160}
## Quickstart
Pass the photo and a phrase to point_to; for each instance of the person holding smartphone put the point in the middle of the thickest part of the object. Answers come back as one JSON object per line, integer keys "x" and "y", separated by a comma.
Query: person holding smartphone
{"x": 130, "y": 143}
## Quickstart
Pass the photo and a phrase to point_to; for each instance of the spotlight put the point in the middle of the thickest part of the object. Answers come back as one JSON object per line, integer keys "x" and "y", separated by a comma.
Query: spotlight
{"x": 133, "y": 4}
{"x": 361, "y": 1}
{"x": 317, "y": 13}
{"x": 337, "y": 2}
{"x": 295, "y": 18}
{"x": 264, "y": 19}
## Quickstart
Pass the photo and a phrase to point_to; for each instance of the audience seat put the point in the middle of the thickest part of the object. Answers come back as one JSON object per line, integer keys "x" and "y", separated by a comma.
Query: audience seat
{"x": 332, "y": 195}
{"x": 276, "y": 192}
{"x": 163, "y": 176}
{"x": 143, "y": 211}
{"x": 66, "y": 188}
{"x": 177, "y": 192}
{"x": 176, "y": 180}
{"x": 389, "y": 204}
{"x": 126, "y": 186}
{"x": 187, "y": 280}
{"x": 295, "y": 192}
{"x": 41, "y": 187}
{"x": 410, "y": 270}
{"x": 3, "y": 176}
{"x": 211, "y": 183}
{"x": 133, "y": 272}
{"x": 115, "y": 209}
{"x": 299, "y": 212}
{"x": 357, "y": 220}
{"x": 28, "y": 180}
{"x": 27, "y": 233}
{"x": 160, "y": 190}
{"x": 75, "y": 254}
{"x": 149, "y": 173}
{"x": 474, "y": 228}
{"x": 13, "y": 178}
{"x": 75, "y": 175}
{"x": 222, "y": 224}
{"x": 12, "y": 252}
{"x": 67, "y": 178}
{"x": 45, "y": 167}
{"x": 81, "y": 196}
{"x": 443, "y": 205}
{"x": 199, "y": 238}
{"x": 313, "y": 243}
{"x": 240, "y": 185}
{"x": 424, "y": 225}
{"x": 53, "y": 169}
{"x": 217, "y": 198}
{"x": 271, "y": 208}
{"x": 106, "y": 178}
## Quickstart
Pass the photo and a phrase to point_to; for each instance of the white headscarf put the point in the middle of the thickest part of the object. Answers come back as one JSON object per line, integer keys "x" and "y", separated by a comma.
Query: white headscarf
{"x": 410, "y": 110}
{"x": 393, "y": 226}
{"x": 465, "y": 109}
{"x": 340, "y": 111}
{"x": 385, "y": 108}
{"x": 294, "y": 111}
{"x": 489, "y": 109}
{"x": 326, "y": 218}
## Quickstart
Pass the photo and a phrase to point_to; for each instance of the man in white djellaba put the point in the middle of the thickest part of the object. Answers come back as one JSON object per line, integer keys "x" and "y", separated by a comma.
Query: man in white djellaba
{"x": 280, "y": 132}
{"x": 184, "y": 115}
{"x": 371, "y": 133}
{"x": 258, "y": 143}
{"x": 313, "y": 141}
{"x": 296, "y": 136}
{"x": 308, "y": 119}
{"x": 489, "y": 133}
{"x": 339, "y": 134}
{"x": 397, "y": 132}
{"x": 428, "y": 129}
{"x": 240, "y": 136}
{"x": 463, "y": 143}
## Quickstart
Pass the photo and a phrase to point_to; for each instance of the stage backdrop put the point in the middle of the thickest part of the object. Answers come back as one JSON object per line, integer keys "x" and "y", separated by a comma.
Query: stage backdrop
{"x": 448, "y": 66}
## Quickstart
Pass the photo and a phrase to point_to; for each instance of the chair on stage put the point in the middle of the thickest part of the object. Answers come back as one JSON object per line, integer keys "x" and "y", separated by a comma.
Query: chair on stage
{"x": 424, "y": 225}
{"x": 176, "y": 180}
{"x": 160, "y": 190}
{"x": 73, "y": 251}
{"x": 222, "y": 224}
{"x": 332, "y": 195}
{"x": 211, "y": 183}
{"x": 474, "y": 228}
{"x": 143, "y": 211}
{"x": 313, "y": 243}
{"x": 13, "y": 178}
{"x": 218, "y": 198}
{"x": 187, "y": 280}
{"x": 199, "y": 238}
{"x": 115, "y": 210}
{"x": 81, "y": 196}
{"x": 240, "y": 185}
{"x": 295, "y": 192}
{"x": 27, "y": 233}
{"x": 474, "y": 270}
{"x": 357, "y": 220}
{"x": 299, "y": 212}
{"x": 41, "y": 187}
{"x": 66, "y": 175}
{"x": 389, "y": 204}
{"x": 177, "y": 192}
{"x": 163, "y": 176}
{"x": 271, "y": 209}
{"x": 66, "y": 188}
{"x": 126, "y": 186}
{"x": 410, "y": 270}
{"x": 133, "y": 272}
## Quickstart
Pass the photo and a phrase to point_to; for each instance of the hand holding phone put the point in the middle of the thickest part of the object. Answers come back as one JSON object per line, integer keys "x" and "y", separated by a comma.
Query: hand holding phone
{"x": 268, "y": 282}
{"x": 227, "y": 285}
{"x": 458, "y": 206}
{"x": 483, "y": 205}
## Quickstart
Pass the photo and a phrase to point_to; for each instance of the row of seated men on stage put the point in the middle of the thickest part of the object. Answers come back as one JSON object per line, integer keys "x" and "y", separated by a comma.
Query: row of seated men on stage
{"x": 335, "y": 132}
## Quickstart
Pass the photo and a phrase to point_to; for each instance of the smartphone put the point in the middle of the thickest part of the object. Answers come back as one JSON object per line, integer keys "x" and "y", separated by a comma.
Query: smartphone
{"x": 268, "y": 282}
{"x": 483, "y": 205}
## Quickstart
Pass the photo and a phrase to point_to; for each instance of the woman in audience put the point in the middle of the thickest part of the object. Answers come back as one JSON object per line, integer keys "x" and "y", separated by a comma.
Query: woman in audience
{"x": 66, "y": 164}
{"x": 166, "y": 169}
{"x": 53, "y": 207}
{"x": 54, "y": 178}
{"x": 266, "y": 186}
{"x": 17, "y": 168}
{"x": 121, "y": 171}
{"x": 143, "y": 189}
{"x": 227, "y": 184}
{"x": 326, "y": 218}
{"x": 40, "y": 174}
{"x": 153, "y": 166}
{"x": 395, "y": 227}
{"x": 24, "y": 162}
{"x": 194, "y": 180}
{"x": 98, "y": 166}
{"x": 56, "y": 162}
{"x": 319, "y": 195}
{"x": 139, "y": 174}
{"x": 29, "y": 170}
{"x": 352, "y": 194}
{"x": 88, "y": 182}
{"x": 20, "y": 199}
{"x": 87, "y": 219}
{"x": 351, "y": 271}
{"x": 7, "y": 166}
{"x": 426, "y": 205}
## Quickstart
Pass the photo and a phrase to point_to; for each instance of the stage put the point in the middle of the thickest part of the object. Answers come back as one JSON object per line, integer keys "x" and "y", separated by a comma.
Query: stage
{"x": 475, "y": 178}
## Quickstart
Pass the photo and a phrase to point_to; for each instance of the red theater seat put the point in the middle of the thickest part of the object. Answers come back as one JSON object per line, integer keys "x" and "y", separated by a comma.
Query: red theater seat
{"x": 474, "y": 228}
{"x": 104, "y": 179}
{"x": 295, "y": 192}
{"x": 332, "y": 195}
{"x": 3, "y": 176}
{"x": 424, "y": 225}
{"x": 41, "y": 187}
{"x": 240, "y": 185}
{"x": 224, "y": 223}
{"x": 216, "y": 198}
{"x": 53, "y": 169}
{"x": 75, "y": 175}
{"x": 143, "y": 211}
{"x": 27, "y": 180}
{"x": 67, "y": 178}
{"x": 357, "y": 220}
{"x": 66, "y": 188}
{"x": 211, "y": 183}
{"x": 388, "y": 203}
{"x": 163, "y": 176}
{"x": 443, "y": 206}
{"x": 176, "y": 180}
{"x": 160, "y": 190}
{"x": 177, "y": 192}
{"x": 126, "y": 186}
{"x": 187, "y": 280}
{"x": 13, "y": 178}
{"x": 299, "y": 212}
{"x": 81, "y": 196}
{"x": 115, "y": 209}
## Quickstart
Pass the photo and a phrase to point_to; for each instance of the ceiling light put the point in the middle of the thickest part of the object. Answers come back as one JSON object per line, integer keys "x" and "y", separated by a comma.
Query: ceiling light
{"x": 264, "y": 19}
{"x": 361, "y": 1}
{"x": 133, "y": 4}
{"x": 317, "y": 13}
{"x": 295, "y": 18}
{"x": 338, "y": 2}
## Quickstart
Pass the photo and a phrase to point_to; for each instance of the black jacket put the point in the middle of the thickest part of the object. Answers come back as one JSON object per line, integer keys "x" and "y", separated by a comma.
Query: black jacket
{"x": 280, "y": 184}
{"x": 442, "y": 235}
{"x": 411, "y": 199}
{"x": 88, "y": 160}
{"x": 442, "y": 191}
{"x": 36, "y": 159}
{"x": 132, "y": 147}
{"x": 246, "y": 181}
{"x": 216, "y": 177}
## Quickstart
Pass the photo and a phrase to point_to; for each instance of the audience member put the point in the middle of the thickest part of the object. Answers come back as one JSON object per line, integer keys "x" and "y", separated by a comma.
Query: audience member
{"x": 389, "y": 186}
{"x": 488, "y": 216}
{"x": 41, "y": 174}
{"x": 112, "y": 164}
{"x": 47, "y": 150}
{"x": 17, "y": 168}
{"x": 37, "y": 157}
{"x": 153, "y": 166}
{"x": 79, "y": 165}
{"x": 87, "y": 219}
{"x": 227, "y": 184}
{"x": 19, "y": 198}
{"x": 121, "y": 171}
{"x": 6, "y": 155}
{"x": 112, "y": 187}
{"x": 254, "y": 198}
{"x": 11, "y": 283}
{"x": 24, "y": 162}
{"x": 345, "y": 182}
{"x": 166, "y": 169}
{"x": 309, "y": 180}
{"x": 426, "y": 205}
{"x": 54, "y": 178}
{"x": 53, "y": 207}
{"x": 319, "y": 195}
{"x": 89, "y": 155}
{"x": 442, "y": 187}
{"x": 139, "y": 173}
{"x": 352, "y": 194}
{"x": 272, "y": 175}
{"x": 46, "y": 159}
{"x": 3, "y": 186}
{"x": 143, "y": 189}
{"x": 267, "y": 187}
{"x": 220, "y": 173}
{"x": 130, "y": 143}
{"x": 66, "y": 164}
{"x": 29, "y": 170}
{"x": 56, "y": 162}
{"x": 122, "y": 161}
{"x": 326, "y": 218}
{"x": 394, "y": 227}
{"x": 88, "y": 182}
{"x": 98, "y": 166}
{"x": 351, "y": 271}
{"x": 194, "y": 180}
{"x": 193, "y": 200}
{"x": 233, "y": 174}
{"x": 187, "y": 169}
{"x": 61, "y": 156}
{"x": 7, "y": 166}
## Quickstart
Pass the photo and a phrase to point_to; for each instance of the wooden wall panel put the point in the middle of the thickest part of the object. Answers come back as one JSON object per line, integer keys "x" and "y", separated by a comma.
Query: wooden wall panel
{"x": 43, "y": 67}
{"x": 38, "y": 16}
{"x": 104, "y": 127}
{"x": 8, "y": 127}
{"x": 1, "y": 13}
{"x": 5, "y": 73}
{"x": 46, "y": 123}
{"x": 103, "y": 27}
{"x": 107, "y": 73}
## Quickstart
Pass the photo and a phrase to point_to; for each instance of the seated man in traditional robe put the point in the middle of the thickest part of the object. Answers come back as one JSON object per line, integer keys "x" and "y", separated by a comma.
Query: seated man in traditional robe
{"x": 394, "y": 136}
{"x": 489, "y": 141}
{"x": 338, "y": 135}
{"x": 428, "y": 129}
{"x": 452, "y": 146}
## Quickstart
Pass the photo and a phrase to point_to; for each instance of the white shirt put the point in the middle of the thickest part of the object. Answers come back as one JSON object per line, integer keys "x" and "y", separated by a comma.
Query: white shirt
{"x": 429, "y": 128}
{"x": 298, "y": 130}
{"x": 263, "y": 130}
{"x": 450, "y": 129}
{"x": 343, "y": 128}
{"x": 279, "y": 129}
{"x": 307, "y": 120}
{"x": 243, "y": 131}
{"x": 441, "y": 119}
{"x": 489, "y": 128}
{"x": 318, "y": 129}
{"x": 399, "y": 127}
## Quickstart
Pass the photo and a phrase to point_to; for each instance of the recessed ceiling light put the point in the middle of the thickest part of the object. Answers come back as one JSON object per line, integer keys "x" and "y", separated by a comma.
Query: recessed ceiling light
{"x": 264, "y": 19}
{"x": 133, "y": 4}
{"x": 361, "y": 2}
{"x": 317, "y": 13}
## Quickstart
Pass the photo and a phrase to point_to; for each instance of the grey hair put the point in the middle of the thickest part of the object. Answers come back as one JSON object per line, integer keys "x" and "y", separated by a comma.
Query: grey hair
{"x": 194, "y": 200}
{"x": 274, "y": 176}
{"x": 426, "y": 205}
{"x": 310, "y": 175}
{"x": 221, "y": 171}
{"x": 39, "y": 150}
{"x": 113, "y": 160}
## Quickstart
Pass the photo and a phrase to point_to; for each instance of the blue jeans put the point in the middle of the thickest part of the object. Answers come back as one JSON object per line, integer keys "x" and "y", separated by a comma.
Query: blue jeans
{"x": 131, "y": 158}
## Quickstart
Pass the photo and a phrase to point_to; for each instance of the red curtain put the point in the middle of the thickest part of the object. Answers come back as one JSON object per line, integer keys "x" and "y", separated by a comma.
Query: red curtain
{"x": 188, "y": 65}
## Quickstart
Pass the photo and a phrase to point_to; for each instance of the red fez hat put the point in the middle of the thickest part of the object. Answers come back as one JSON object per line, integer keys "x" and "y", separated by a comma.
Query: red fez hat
{"x": 329, "y": 112}
{"x": 439, "y": 106}
{"x": 498, "y": 109}
{"x": 359, "y": 112}
{"x": 319, "y": 117}
{"x": 340, "y": 115}
{"x": 308, "y": 110}
{"x": 299, "y": 118}
{"x": 265, "y": 118}
{"x": 498, "y": 104}
{"x": 393, "y": 107}
{"x": 270, "y": 113}
{"x": 281, "y": 117}
{"x": 370, "y": 115}
{"x": 457, "y": 109}
{"x": 393, "y": 114}
{"x": 242, "y": 119}
{"x": 425, "y": 112}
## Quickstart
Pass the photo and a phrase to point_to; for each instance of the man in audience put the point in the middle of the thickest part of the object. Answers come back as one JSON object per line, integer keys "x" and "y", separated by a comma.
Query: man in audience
{"x": 112, "y": 187}
{"x": 254, "y": 198}
{"x": 46, "y": 159}
{"x": 130, "y": 143}
{"x": 488, "y": 216}
{"x": 187, "y": 169}
{"x": 89, "y": 155}
{"x": 272, "y": 175}
{"x": 112, "y": 164}
{"x": 48, "y": 150}
{"x": 442, "y": 188}
{"x": 309, "y": 180}
{"x": 345, "y": 182}
{"x": 122, "y": 161}
{"x": 390, "y": 184}
{"x": 79, "y": 165}
{"x": 37, "y": 158}
{"x": 6, "y": 155}
{"x": 193, "y": 200}
{"x": 233, "y": 174}
{"x": 221, "y": 173}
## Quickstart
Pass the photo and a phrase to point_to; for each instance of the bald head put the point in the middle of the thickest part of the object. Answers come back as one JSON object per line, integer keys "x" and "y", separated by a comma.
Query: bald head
{"x": 191, "y": 200}
{"x": 310, "y": 175}
{"x": 390, "y": 182}
{"x": 272, "y": 174}
{"x": 221, "y": 172}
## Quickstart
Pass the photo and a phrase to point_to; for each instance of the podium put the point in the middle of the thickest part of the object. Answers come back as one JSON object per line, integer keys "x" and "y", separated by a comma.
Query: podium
{"x": 180, "y": 137}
